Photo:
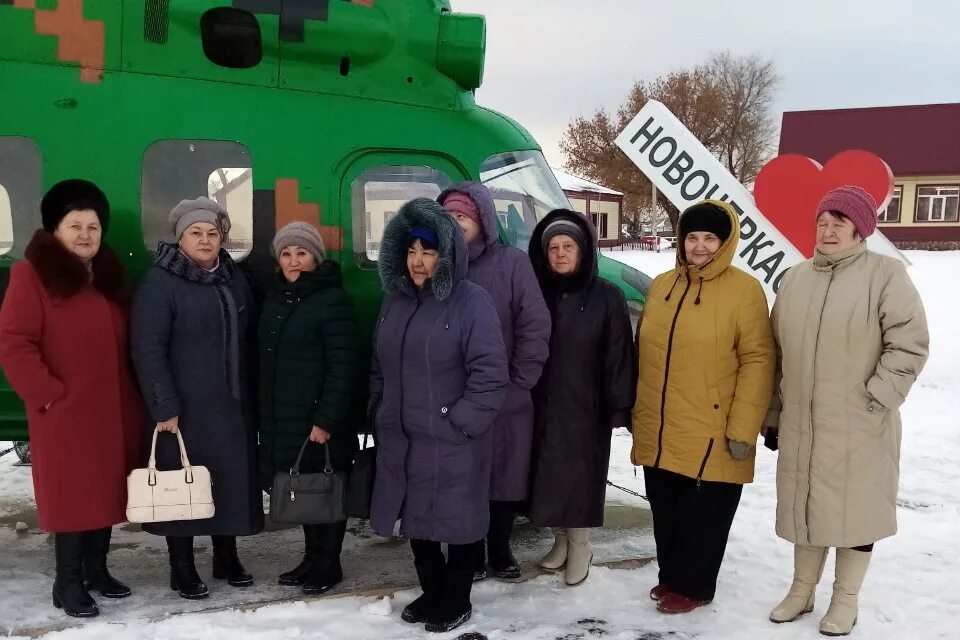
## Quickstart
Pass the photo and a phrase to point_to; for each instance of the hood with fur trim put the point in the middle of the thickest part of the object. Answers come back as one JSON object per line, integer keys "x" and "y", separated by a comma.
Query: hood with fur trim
{"x": 453, "y": 259}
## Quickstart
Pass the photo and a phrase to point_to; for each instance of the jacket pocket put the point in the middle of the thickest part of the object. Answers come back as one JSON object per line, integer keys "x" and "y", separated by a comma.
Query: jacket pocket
{"x": 449, "y": 432}
{"x": 718, "y": 416}
{"x": 872, "y": 414}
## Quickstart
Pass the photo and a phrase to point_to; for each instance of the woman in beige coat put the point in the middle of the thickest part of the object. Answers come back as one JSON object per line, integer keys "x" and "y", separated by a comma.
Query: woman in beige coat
{"x": 852, "y": 338}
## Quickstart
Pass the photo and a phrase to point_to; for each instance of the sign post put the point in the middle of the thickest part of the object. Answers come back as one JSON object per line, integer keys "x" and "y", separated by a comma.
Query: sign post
{"x": 686, "y": 172}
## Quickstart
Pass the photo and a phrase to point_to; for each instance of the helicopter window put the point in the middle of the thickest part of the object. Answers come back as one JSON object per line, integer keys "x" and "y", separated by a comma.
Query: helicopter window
{"x": 231, "y": 38}
{"x": 20, "y": 191}
{"x": 377, "y": 195}
{"x": 174, "y": 170}
{"x": 524, "y": 190}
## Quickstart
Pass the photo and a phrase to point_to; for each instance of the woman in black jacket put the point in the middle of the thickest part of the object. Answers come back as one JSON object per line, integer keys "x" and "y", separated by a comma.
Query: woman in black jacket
{"x": 586, "y": 390}
{"x": 308, "y": 382}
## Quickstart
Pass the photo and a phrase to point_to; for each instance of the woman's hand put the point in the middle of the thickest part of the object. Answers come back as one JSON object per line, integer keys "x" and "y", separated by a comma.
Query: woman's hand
{"x": 318, "y": 435}
{"x": 171, "y": 425}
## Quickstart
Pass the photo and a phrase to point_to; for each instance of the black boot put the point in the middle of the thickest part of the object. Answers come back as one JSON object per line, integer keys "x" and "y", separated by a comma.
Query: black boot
{"x": 184, "y": 578}
{"x": 431, "y": 568}
{"x": 69, "y": 592}
{"x": 226, "y": 563}
{"x": 298, "y": 575}
{"x": 455, "y": 607}
{"x": 96, "y": 546}
{"x": 502, "y": 562}
{"x": 480, "y": 571}
{"x": 325, "y": 570}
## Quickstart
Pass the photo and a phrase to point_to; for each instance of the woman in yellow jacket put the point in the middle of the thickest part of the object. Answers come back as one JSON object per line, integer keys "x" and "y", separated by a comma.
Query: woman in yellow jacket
{"x": 707, "y": 360}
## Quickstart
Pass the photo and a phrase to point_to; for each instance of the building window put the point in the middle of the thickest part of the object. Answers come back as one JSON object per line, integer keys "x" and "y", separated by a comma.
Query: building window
{"x": 937, "y": 203}
{"x": 600, "y": 222}
{"x": 377, "y": 194}
{"x": 20, "y": 193}
{"x": 174, "y": 170}
{"x": 892, "y": 212}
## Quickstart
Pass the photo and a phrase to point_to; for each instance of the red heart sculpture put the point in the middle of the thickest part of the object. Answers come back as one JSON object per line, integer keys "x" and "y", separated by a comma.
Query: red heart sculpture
{"x": 789, "y": 188}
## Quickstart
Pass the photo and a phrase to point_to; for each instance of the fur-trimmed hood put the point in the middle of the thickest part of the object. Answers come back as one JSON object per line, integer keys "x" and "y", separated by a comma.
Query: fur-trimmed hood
{"x": 64, "y": 275}
{"x": 453, "y": 260}
{"x": 483, "y": 200}
{"x": 588, "y": 271}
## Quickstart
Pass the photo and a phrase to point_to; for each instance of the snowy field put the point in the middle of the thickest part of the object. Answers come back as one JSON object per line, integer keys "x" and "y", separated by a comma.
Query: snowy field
{"x": 910, "y": 592}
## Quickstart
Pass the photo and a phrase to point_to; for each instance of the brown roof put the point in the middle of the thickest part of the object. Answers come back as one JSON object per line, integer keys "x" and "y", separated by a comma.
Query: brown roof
{"x": 914, "y": 140}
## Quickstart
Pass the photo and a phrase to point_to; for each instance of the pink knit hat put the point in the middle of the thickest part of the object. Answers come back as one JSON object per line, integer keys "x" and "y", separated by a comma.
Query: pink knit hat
{"x": 854, "y": 203}
{"x": 458, "y": 202}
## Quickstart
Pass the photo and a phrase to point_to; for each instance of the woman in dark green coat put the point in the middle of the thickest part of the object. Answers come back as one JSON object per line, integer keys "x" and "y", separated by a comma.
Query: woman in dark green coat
{"x": 308, "y": 384}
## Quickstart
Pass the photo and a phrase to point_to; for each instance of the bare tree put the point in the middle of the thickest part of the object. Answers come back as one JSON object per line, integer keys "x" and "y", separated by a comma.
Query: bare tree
{"x": 726, "y": 103}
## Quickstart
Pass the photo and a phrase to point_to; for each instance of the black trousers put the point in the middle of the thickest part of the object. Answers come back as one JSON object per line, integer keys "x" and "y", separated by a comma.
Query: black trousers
{"x": 459, "y": 556}
{"x": 691, "y": 523}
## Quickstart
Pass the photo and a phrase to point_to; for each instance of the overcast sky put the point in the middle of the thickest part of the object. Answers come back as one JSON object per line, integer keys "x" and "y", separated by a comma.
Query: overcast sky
{"x": 549, "y": 61}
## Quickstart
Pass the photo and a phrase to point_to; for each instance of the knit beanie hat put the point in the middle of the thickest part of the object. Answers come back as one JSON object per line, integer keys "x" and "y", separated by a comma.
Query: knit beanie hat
{"x": 300, "y": 234}
{"x": 202, "y": 209}
{"x": 563, "y": 228}
{"x": 459, "y": 202}
{"x": 73, "y": 195}
{"x": 427, "y": 237}
{"x": 708, "y": 217}
{"x": 853, "y": 203}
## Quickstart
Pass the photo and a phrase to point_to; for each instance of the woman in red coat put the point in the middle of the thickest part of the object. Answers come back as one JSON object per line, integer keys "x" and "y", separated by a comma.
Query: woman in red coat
{"x": 64, "y": 349}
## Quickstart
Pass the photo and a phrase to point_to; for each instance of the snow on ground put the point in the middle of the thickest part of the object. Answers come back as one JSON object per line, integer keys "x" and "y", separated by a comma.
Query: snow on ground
{"x": 910, "y": 591}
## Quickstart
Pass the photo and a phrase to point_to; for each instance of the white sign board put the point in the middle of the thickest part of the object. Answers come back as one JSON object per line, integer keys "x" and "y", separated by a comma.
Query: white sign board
{"x": 686, "y": 172}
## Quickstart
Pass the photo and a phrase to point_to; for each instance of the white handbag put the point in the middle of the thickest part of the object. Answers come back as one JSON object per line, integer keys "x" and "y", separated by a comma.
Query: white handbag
{"x": 164, "y": 496}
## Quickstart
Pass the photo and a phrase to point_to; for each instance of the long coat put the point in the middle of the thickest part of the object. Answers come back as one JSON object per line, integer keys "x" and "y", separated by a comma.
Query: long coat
{"x": 853, "y": 338}
{"x": 507, "y": 276}
{"x": 587, "y": 387}
{"x": 439, "y": 376}
{"x": 193, "y": 348}
{"x": 308, "y": 372}
{"x": 707, "y": 360}
{"x": 64, "y": 343}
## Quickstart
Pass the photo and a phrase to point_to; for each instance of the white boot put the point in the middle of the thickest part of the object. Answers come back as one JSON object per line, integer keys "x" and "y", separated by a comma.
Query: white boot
{"x": 807, "y": 568}
{"x": 842, "y": 614}
{"x": 578, "y": 556}
{"x": 557, "y": 557}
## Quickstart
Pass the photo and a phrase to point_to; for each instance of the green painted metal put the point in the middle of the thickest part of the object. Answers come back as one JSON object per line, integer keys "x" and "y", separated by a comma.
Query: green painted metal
{"x": 370, "y": 86}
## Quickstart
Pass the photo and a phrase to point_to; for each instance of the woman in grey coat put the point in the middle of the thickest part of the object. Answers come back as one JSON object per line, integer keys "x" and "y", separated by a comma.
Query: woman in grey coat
{"x": 192, "y": 334}
{"x": 507, "y": 276}
{"x": 439, "y": 376}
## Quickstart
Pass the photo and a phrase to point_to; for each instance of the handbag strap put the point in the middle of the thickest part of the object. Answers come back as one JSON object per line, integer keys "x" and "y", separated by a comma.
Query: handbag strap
{"x": 328, "y": 463}
{"x": 184, "y": 460}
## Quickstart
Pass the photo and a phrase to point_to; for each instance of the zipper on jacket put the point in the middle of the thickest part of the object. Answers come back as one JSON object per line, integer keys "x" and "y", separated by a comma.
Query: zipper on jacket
{"x": 813, "y": 378}
{"x": 403, "y": 348}
{"x": 703, "y": 465}
{"x": 666, "y": 376}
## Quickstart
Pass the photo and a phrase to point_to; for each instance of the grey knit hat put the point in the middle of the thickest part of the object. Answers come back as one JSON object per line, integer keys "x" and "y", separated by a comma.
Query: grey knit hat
{"x": 300, "y": 234}
{"x": 202, "y": 209}
{"x": 563, "y": 228}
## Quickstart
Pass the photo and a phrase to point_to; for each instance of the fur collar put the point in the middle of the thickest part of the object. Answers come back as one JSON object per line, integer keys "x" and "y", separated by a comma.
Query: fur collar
{"x": 64, "y": 275}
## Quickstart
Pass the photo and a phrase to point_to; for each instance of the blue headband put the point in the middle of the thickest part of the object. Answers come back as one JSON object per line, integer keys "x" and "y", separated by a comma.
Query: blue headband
{"x": 426, "y": 236}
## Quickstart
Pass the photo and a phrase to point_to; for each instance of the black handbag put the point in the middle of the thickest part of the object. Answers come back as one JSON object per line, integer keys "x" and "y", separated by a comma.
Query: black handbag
{"x": 309, "y": 498}
{"x": 360, "y": 483}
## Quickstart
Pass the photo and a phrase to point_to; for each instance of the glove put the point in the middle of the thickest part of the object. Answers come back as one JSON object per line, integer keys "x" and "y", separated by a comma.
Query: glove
{"x": 739, "y": 450}
{"x": 770, "y": 438}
